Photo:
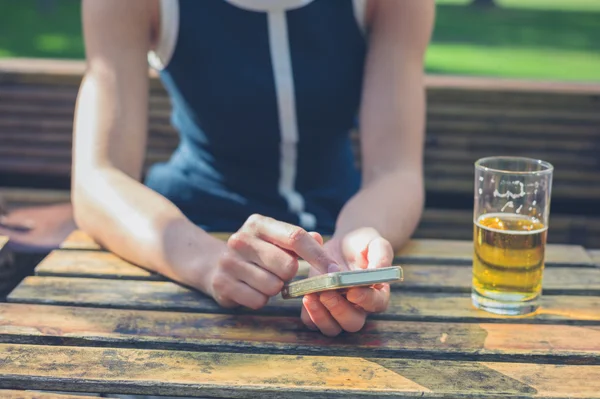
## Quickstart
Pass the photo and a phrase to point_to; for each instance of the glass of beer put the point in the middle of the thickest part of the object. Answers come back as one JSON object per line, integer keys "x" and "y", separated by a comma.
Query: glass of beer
{"x": 510, "y": 225}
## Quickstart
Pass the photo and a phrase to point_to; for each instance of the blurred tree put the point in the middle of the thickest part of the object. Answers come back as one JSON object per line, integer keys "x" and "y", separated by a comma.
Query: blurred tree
{"x": 46, "y": 6}
{"x": 483, "y": 3}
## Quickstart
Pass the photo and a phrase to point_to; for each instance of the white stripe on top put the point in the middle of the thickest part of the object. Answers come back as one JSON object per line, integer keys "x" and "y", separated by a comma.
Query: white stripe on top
{"x": 167, "y": 37}
{"x": 286, "y": 103}
{"x": 360, "y": 9}
{"x": 269, "y": 5}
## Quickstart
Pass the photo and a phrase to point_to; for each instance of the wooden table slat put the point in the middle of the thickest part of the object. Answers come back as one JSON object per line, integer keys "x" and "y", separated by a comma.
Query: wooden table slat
{"x": 77, "y": 326}
{"x": 85, "y": 263}
{"x": 164, "y": 295}
{"x": 7, "y": 267}
{"x": 215, "y": 374}
{"x": 79, "y": 239}
{"x": 97, "y": 264}
{"x": 418, "y": 250}
{"x": 14, "y": 394}
{"x": 595, "y": 255}
{"x": 460, "y": 251}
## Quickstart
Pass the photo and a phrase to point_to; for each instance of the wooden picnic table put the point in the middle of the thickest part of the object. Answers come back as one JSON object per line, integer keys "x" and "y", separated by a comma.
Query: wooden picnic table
{"x": 88, "y": 321}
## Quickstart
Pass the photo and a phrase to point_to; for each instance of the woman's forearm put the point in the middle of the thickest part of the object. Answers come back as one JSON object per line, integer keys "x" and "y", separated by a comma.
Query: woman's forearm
{"x": 392, "y": 204}
{"x": 141, "y": 226}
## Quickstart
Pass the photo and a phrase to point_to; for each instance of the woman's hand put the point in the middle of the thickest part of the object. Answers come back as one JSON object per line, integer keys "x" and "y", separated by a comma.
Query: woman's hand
{"x": 259, "y": 258}
{"x": 331, "y": 312}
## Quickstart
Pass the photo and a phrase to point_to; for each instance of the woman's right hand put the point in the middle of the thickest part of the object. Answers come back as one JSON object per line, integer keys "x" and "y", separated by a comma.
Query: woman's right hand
{"x": 259, "y": 258}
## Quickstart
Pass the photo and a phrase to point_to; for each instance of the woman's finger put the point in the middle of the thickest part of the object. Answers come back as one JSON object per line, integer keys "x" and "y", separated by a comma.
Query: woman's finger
{"x": 228, "y": 289}
{"x": 380, "y": 253}
{"x": 373, "y": 300}
{"x": 317, "y": 237}
{"x": 267, "y": 256}
{"x": 290, "y": 237}
{"x": 347, "y": 316}
{"x": 305, "y": 317}
{"x": 320, "y": 316}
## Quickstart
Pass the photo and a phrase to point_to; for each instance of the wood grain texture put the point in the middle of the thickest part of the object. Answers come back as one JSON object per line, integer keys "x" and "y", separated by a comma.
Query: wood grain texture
{"x": 7, "y": 265}
{"x": 45, "y": 70}
{"x": 595, "y": 255}
{"x": 158, "y": 372}
{"x": 29, "y": 394}
{"x": 99, "y": 264}
{"x": 77, "y": 326}
{"x": 79, "y": 239}
{"x": 86, "y": 263}
{"x": 431, "y": 250}
{"x": 27, "y": 196}
{"x": 164, "y": 295}
{"x": 418, "y": 250}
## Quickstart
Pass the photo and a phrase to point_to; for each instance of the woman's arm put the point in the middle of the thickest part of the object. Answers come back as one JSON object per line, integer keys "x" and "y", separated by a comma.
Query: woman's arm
{"x": 384, "y": 213}
{"x": 392, "y": 119}
{"x": 135, "y": 222}
{"x": 110, "y": 202}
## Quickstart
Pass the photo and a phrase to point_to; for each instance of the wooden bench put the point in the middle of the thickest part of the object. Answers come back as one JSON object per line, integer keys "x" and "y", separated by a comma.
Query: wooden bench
{"x": 6, "y": 267}
{"x": 89, "y": 322}
{"x": 14, "y": 394}
{"x": 467, "y": 118}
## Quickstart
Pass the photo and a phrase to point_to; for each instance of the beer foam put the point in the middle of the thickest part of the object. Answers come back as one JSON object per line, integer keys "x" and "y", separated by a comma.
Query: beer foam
{"x": 514, "y": 216}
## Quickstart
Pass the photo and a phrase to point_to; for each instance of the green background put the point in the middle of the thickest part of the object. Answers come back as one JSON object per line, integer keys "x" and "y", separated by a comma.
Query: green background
{"x": 534, "y": 39}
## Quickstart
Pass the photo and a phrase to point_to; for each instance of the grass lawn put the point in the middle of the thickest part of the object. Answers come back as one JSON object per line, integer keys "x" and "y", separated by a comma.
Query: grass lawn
{"x": 536, "y": 39}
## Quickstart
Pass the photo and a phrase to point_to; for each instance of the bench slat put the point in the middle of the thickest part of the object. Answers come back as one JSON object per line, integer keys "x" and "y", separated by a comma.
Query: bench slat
{"x": 595, "y": 255}
{"x": 7, "y": 268}
{"x": 12, "y": 394}
{"x": 45, "y": 107}
{"x": 164, "y": 295}
{"x": 430, "y": 250}
{"x": 77, "y": 326}
{"x": 158, "y": 372}
{"x": 79, "y": 239}
{"x": 99, "y": 264}
{"x": 87, "y": 263}
{"x": 419, "y": 250}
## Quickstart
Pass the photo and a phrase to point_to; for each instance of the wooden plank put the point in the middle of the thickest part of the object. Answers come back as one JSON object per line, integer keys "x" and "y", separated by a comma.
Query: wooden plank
{"x": 7, "y": 267}
{"x": 75, "y": 68}
{"x": 433, "y": 250}
{"x": 89, "y": 263}
{"x": 165, "y": 295}
{"x": 99, "y": 264}
{"x": 158, "y": 372}
{"x": 440, "y": 110}
{"x": 77, "y": 326}
{"x": 419, "y": 250}
{"x": 79, "y": 239}
{"x": 3, "y": 242}
{"x": 13, "y": 394}
{"x": 595, "y": 255}
{"x": 32, "y": 197}
{"x": 4, "y": 256}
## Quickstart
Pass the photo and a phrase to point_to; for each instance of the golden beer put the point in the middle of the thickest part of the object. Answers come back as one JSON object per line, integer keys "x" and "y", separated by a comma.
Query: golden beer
{"x": 508, "y": 261}
{"x": 510, "y": 217}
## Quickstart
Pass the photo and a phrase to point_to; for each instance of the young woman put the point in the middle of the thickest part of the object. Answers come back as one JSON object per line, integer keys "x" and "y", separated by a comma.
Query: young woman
{"x": 264, "y": 95}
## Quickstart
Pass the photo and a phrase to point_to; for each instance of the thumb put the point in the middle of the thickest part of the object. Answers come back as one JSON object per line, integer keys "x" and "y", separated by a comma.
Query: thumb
{"x": 380, "y": 253}
{"x": 316, "y": 236}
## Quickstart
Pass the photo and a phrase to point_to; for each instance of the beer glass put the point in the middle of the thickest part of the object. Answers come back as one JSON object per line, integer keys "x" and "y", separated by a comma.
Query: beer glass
{"x": 510, "y": 225}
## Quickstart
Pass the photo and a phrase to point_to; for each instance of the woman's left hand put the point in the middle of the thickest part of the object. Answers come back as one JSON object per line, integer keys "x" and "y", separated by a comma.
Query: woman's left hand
{"x": 330, "y": 311}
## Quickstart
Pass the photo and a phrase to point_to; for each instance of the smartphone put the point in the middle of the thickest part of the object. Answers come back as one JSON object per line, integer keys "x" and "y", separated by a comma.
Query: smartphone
{"x": 342, "y": 280}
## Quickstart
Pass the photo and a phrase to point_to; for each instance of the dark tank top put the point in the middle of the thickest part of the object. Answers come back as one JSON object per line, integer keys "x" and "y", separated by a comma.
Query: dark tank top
{"x": 265, "y": 94}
